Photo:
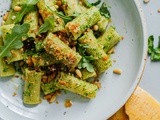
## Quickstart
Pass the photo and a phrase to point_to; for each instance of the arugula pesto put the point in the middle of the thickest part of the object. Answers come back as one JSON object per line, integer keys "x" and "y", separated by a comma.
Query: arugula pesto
{"x": 58, "y": 45}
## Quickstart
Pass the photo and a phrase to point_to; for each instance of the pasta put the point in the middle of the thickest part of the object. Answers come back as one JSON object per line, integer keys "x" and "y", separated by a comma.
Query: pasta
{"x": 86, "y": 74}
{"x": 82, "y": 22}
{"x": 109, "y": 39}
{"x": 43, "y": 60}
{"x": 56, "y": 45}
{"x": 102, "y": 24}
{"x": 102, "y": 61}
{"x": 32, "y": 19}
{"x": 71, "y": 7}
{"x": 46, "y": 9}
{"x": 31, "y": 94}
{"x": 49, "y": 87}
{"x": 12, "y": 14}
{"x": 73, "y": 84}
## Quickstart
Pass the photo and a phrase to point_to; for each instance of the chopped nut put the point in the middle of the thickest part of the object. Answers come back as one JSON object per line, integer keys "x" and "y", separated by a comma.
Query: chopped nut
{"x": 114, "y": 60}
{"x": 88, "y": 29}
{"x": 122, "y": 38}
{"x": 95, "y": 27}
{"x": 68, "y": 103}
{"x": 56, "y": 6}
{"x": 112, "y": 51}
{"x": 6, "y": 16}
{"x": 62, "y": 82}
{"x": 29, "y": 61}
{"x": 44, "y": 79}
{"x": 53, "y": 75}
{"x": 53, "y": 98}
{"x": 17, "y": 8}
{"x": 47, "y": 97}
{"x": 14, "y": 94}
{"x": 58, "y": 92}
{"x": 117, "y": 71}
{"x": 59, "y": 3}
{"x": 40, "y": 11}
{"x": 40, "y": 21}
{"x": 98, "y": 84}
{"x": 146, "y": 1}
{"x": 74, "y": 48}
{"x": 105, "y": 58}
{"x": 79, "y": 74}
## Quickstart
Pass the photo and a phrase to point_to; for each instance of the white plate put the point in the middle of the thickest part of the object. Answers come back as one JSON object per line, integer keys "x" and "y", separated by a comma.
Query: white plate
{"x": 116, "y": 89}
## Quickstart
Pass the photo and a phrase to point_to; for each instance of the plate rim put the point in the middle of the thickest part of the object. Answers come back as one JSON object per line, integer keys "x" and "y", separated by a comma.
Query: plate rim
{"x": 143, "y": 61}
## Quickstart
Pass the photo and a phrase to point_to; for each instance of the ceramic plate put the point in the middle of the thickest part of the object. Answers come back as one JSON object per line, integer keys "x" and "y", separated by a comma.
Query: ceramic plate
{"x": 116, "y": 89}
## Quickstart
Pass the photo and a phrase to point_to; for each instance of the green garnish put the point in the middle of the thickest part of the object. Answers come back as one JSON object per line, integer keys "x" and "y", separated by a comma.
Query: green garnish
{"x": 26, "y": 8}
{"x": 86, "y": 60}
{"x": 150, "y": 44}
{"x": 67, "y": 19}
{"x": 14, "y": 40}
{"x": 104, "y": 11}
{"x": 87, "y": 4}
{"x": 153, "y": 52}
{"x": 48, "y": 25}
{"x": 96, "y": 3}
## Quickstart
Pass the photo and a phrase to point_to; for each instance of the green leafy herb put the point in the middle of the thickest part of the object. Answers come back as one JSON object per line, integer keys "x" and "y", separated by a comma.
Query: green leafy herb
{"x": 48, "y": 25}
{"x": 96, "y": 3}
{"x": 67, "y": 19}
{"x": 104, "y": 11}
{"x": 86, "y": 60}
{"x": 87, "y": 4}
{"x": 26, "y": 8}
{"x": 154, "y": 52}
{"x": 159, "y": 42}
{"x": 85, "y": 63}
{"x": 14, "y": 40}
{"x": 155, "y": 56}
{"x": 150, "y": 44}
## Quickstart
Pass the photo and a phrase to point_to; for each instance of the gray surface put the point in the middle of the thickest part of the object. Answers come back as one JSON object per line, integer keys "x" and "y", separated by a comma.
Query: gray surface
{"x": 151, "y": 78}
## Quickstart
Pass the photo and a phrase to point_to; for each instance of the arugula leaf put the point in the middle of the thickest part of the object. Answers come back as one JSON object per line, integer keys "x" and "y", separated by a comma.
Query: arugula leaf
{"x": 154, "y": 52}
{"x": 84, "y": 63}
{"x": 48, "y": 25}
{"x": 86, "y": 60}
{"x": 104, "y": 11}
{"x": 96, "y": 3}
{"x": 155, "y": 57}
{"x": 159, "y": 42}
{"x": 87, "y": 4}
{"x": 26, "y": 8}
{"x": 14, "y": 40}
{"x": 67, "y": 19}
{"x": 150, "y": 44}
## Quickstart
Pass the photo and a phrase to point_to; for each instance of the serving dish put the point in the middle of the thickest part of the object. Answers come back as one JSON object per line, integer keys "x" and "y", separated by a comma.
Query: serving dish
{"x": 130, "y": 56}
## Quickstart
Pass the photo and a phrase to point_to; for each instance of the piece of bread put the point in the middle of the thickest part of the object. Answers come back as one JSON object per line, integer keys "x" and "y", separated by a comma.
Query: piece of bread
{"x": 142, "y": 106}
{"x": 120, "y": 115}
